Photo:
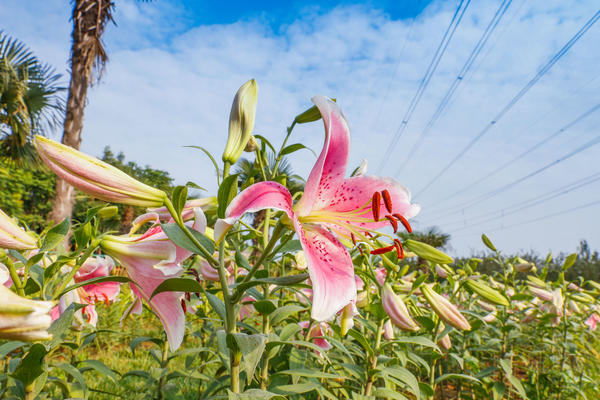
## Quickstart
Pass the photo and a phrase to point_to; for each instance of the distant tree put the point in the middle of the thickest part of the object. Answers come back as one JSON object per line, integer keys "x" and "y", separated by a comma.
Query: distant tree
{"x": 30, "y": 100}
{"x": 88, "y": 57}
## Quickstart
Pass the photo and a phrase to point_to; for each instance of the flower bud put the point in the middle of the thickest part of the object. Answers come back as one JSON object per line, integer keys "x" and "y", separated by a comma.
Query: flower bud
{"x": 252, "y": 145}
{"x": 241, "y": 121}
{"x": 396, "y": 309}
{"x": 490, "y": 317}
{"x": 12, "y": 236}
{"x": 428, "y": 252}
{"x": 346, "y": 318}
{"x": 447, "y": 311}
{"x": 486, "y": 292}
{"x": 541, "y": 294}
{"x": 445, "y": 341}
{"x": 388, "y": 330}
{"x": 95, "y": 177}
{"x": 523, "y": 265}
{"x": 23, "y": 319}
{"x": 441, "y": 272}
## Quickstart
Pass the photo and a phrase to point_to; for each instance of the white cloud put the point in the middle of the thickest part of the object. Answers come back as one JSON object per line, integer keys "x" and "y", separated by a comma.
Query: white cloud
{"x": 170, "y": 83}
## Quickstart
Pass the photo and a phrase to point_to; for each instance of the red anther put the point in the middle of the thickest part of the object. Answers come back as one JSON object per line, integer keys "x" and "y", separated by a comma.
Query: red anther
{"x": 197, "y": 294}
{"x": 404, "y": 222}
{"x": 89, "y": 318}
{"x": 393, "y": 222}
{"x": 353, "y": 238}
{"x": 399, "y": 249}
{"x": 368, "y": 234}
{"x": 375, "y": 204}
{"x": 106, "y": 301}
{"x": 183, "y": 306}
{"x": 383, "y": 250}
{"x": 188, "y": 296}
{"x": 361, "y": 252}
{"x": 387, "y": 200}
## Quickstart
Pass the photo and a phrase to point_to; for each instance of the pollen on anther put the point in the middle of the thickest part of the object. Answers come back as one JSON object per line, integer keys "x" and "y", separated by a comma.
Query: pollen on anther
{"x": 404, "y": 222}
{"x": 393, "y": 222}
{"x": 353, "y": 238}
{"x": 375, "y": 204}
{"x": 399, "y": 248}
{"x": 387, "y": 200}
{"x": 383, "y": 250}
{"x": 183, "y": 306}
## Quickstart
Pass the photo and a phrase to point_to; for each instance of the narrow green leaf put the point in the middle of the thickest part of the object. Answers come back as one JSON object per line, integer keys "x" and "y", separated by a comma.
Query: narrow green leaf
{"x": 295, "y": 389}
{"x": 100, "y": 367}
{"x": 446, "y": 377}
{"x": 226, "y": 193}
{"x": 32, "y": 365}
{"x": 136, "y": 341}
{"x": 177, "y": 285}
{"x": 211, "y": 159}
{"x": 569, "y": 261}
{"x": 252, "y": 348}
{"x": 405, "y": 376}
{"x": 217, "y": 305}
{"x": 179, "y": 198}
{"x": 55, "y": 235}
{"x": 8, "y": 347}
{"x": 280, "y": 314}
{"x": 174, "y": 232}
{"x": 75, "y": 373}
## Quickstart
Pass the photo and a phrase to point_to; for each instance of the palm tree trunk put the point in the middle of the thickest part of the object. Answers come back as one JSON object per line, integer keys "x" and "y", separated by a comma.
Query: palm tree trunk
{"x": 89, "y": 20}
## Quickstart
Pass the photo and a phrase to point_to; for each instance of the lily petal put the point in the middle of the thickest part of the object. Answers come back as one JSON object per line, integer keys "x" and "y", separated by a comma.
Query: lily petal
{"x": 330, "y": 269}
{"x": 330, "y": 168}
{"x": 255, "y": 198}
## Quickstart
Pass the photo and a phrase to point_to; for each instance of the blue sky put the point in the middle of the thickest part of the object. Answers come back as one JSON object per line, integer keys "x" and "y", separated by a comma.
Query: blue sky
{"x": 174, "y": 68}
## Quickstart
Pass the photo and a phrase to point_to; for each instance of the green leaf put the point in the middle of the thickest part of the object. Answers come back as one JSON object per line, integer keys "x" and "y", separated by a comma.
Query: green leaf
{"x": 446, "y": 377}
{"x": 226, "y": 193}
{"x": 486, "y": 240}
{"x": 174, "y": 232}
{"x": 517, "y": 385}
{"x": 310, "y": 115}
{"x": 498, "y": 390}
{"x": 569, "y": 261}
{"x": 287, "y": 332}
{"x": 264, "y": 307}
{"x": 217, "y": 305}
{"x": 32, "y": 365}
{"x": 265, "y": 141}
{"x": 418, "y": 340}
{"x": 93, "y": 281}
{"x": 136, "y": 341}
{"x": 295, "y": 147}
{"x": 211, "y": 159}
{"x": 252, "y": 394}
{"x": 389, "y": 394}
{"x": 280, "y": 314}
{"x": 288, "y": 280}
{"x": 361, "y": 340}
{"x": 177, "y": 285}
{"x": 100, "y": 367}
{"x": 179, "y": 198}
{"x": 62, "y": 324}
{"x": 404, "y": 376}
{"x": 55, "y": 235}
{"x": 75, "y": 373}
{"x": 242, "y": 261}
{"x": 252, "y": 348}
{"x": 8, "y": 347}
{"x": 309, "y": 373}
{"x": 295, "y": 389}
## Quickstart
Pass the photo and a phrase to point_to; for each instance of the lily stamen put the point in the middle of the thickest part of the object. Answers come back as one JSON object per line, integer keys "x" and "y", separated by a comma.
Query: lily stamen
{"x": 387, "y": 200}
{"x": 399, "y": 249}
{"x": 393, "y": 222}
{"x": 404, "y": 222}
{"x": 383, "y": 250}
{"x": 375, "y": 204}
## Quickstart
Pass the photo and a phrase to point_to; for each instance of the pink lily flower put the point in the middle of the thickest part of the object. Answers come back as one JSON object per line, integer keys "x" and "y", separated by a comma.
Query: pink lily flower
{"x": 318, "y": 330}
{"x": 5, "y": 278}
{"x": 332, "y": 207}
{"x": 150, "y": 259}
{"x": 592, "y": 321}
{"x": 93, "y": 267}
{"x": 247, "y": 308}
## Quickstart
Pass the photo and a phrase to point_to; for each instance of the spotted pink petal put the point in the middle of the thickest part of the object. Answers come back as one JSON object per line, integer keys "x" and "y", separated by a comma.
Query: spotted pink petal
{"x": 358, "y": 191}
{"x": 330, "y": 168}
{"x": 97, "y": 267}
{"x": 255, "y": 198}
{"x": 166, "y": 305}
{"x": 330, "y": 269}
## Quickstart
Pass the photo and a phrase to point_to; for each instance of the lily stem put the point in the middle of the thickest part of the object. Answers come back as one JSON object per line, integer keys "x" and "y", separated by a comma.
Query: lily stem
{"x": 14, "y": 275}
{"x": 373, "y": 360}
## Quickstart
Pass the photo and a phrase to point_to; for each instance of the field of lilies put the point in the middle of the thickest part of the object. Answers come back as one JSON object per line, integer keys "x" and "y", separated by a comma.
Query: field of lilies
{"x": 277, "y": 288}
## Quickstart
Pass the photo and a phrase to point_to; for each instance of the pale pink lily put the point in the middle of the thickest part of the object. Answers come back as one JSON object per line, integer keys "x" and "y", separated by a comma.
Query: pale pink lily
{"x": 592, "y": 321}
{"x": 150, "y": 259}
{"x": 332, "y": 207}
{"x": 93, "y": 267}
{"x": 246, "y": 308}
{"x": 5, "y": 278}
{"x": 317, "y": 331}
{"x": 388, "y": 330}
{"x": 12, "y": 236}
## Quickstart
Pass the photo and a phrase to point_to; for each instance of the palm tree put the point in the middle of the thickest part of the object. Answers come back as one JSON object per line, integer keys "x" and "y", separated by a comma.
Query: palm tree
{"x": 30, "y": 101}
{"x": 88, "y": 58}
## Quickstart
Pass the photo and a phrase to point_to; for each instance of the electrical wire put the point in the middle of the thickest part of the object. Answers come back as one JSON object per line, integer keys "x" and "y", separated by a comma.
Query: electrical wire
{"x": 514, "y": 100}
{"x": 456, "y": 83}
{"x": 441, "y": 49}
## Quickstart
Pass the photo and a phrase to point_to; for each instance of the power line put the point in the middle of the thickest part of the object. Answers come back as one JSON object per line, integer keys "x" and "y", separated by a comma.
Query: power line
{"x": 587, "y": 145}
{"x": 456, "y": 83}
{"x": 441, "y": 49}
{"x": 526, "y": 152}
{"x": 563, "y": 212}
{"x": 533, "y": 202}
{"x": 515, "y": 99}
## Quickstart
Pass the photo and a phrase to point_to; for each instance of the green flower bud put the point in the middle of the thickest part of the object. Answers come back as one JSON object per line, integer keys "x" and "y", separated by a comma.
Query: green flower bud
{"x": 241, "y": 121}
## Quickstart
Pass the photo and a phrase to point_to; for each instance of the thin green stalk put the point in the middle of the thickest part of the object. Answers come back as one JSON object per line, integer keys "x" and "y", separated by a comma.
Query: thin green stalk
{"x": 226, "y": 166}
{"x": 264, "y": 374}
{"x": 189, "y": 234}
{"x": 163, "y": 364}
{"x": 13, "y": 275}
{"x": 432, "y": 370}
{"x": 564, "y": 348}
{"x": 372, "y": 363}
{"x": 279, "y": 155}
{"x": 88, "y": 252}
